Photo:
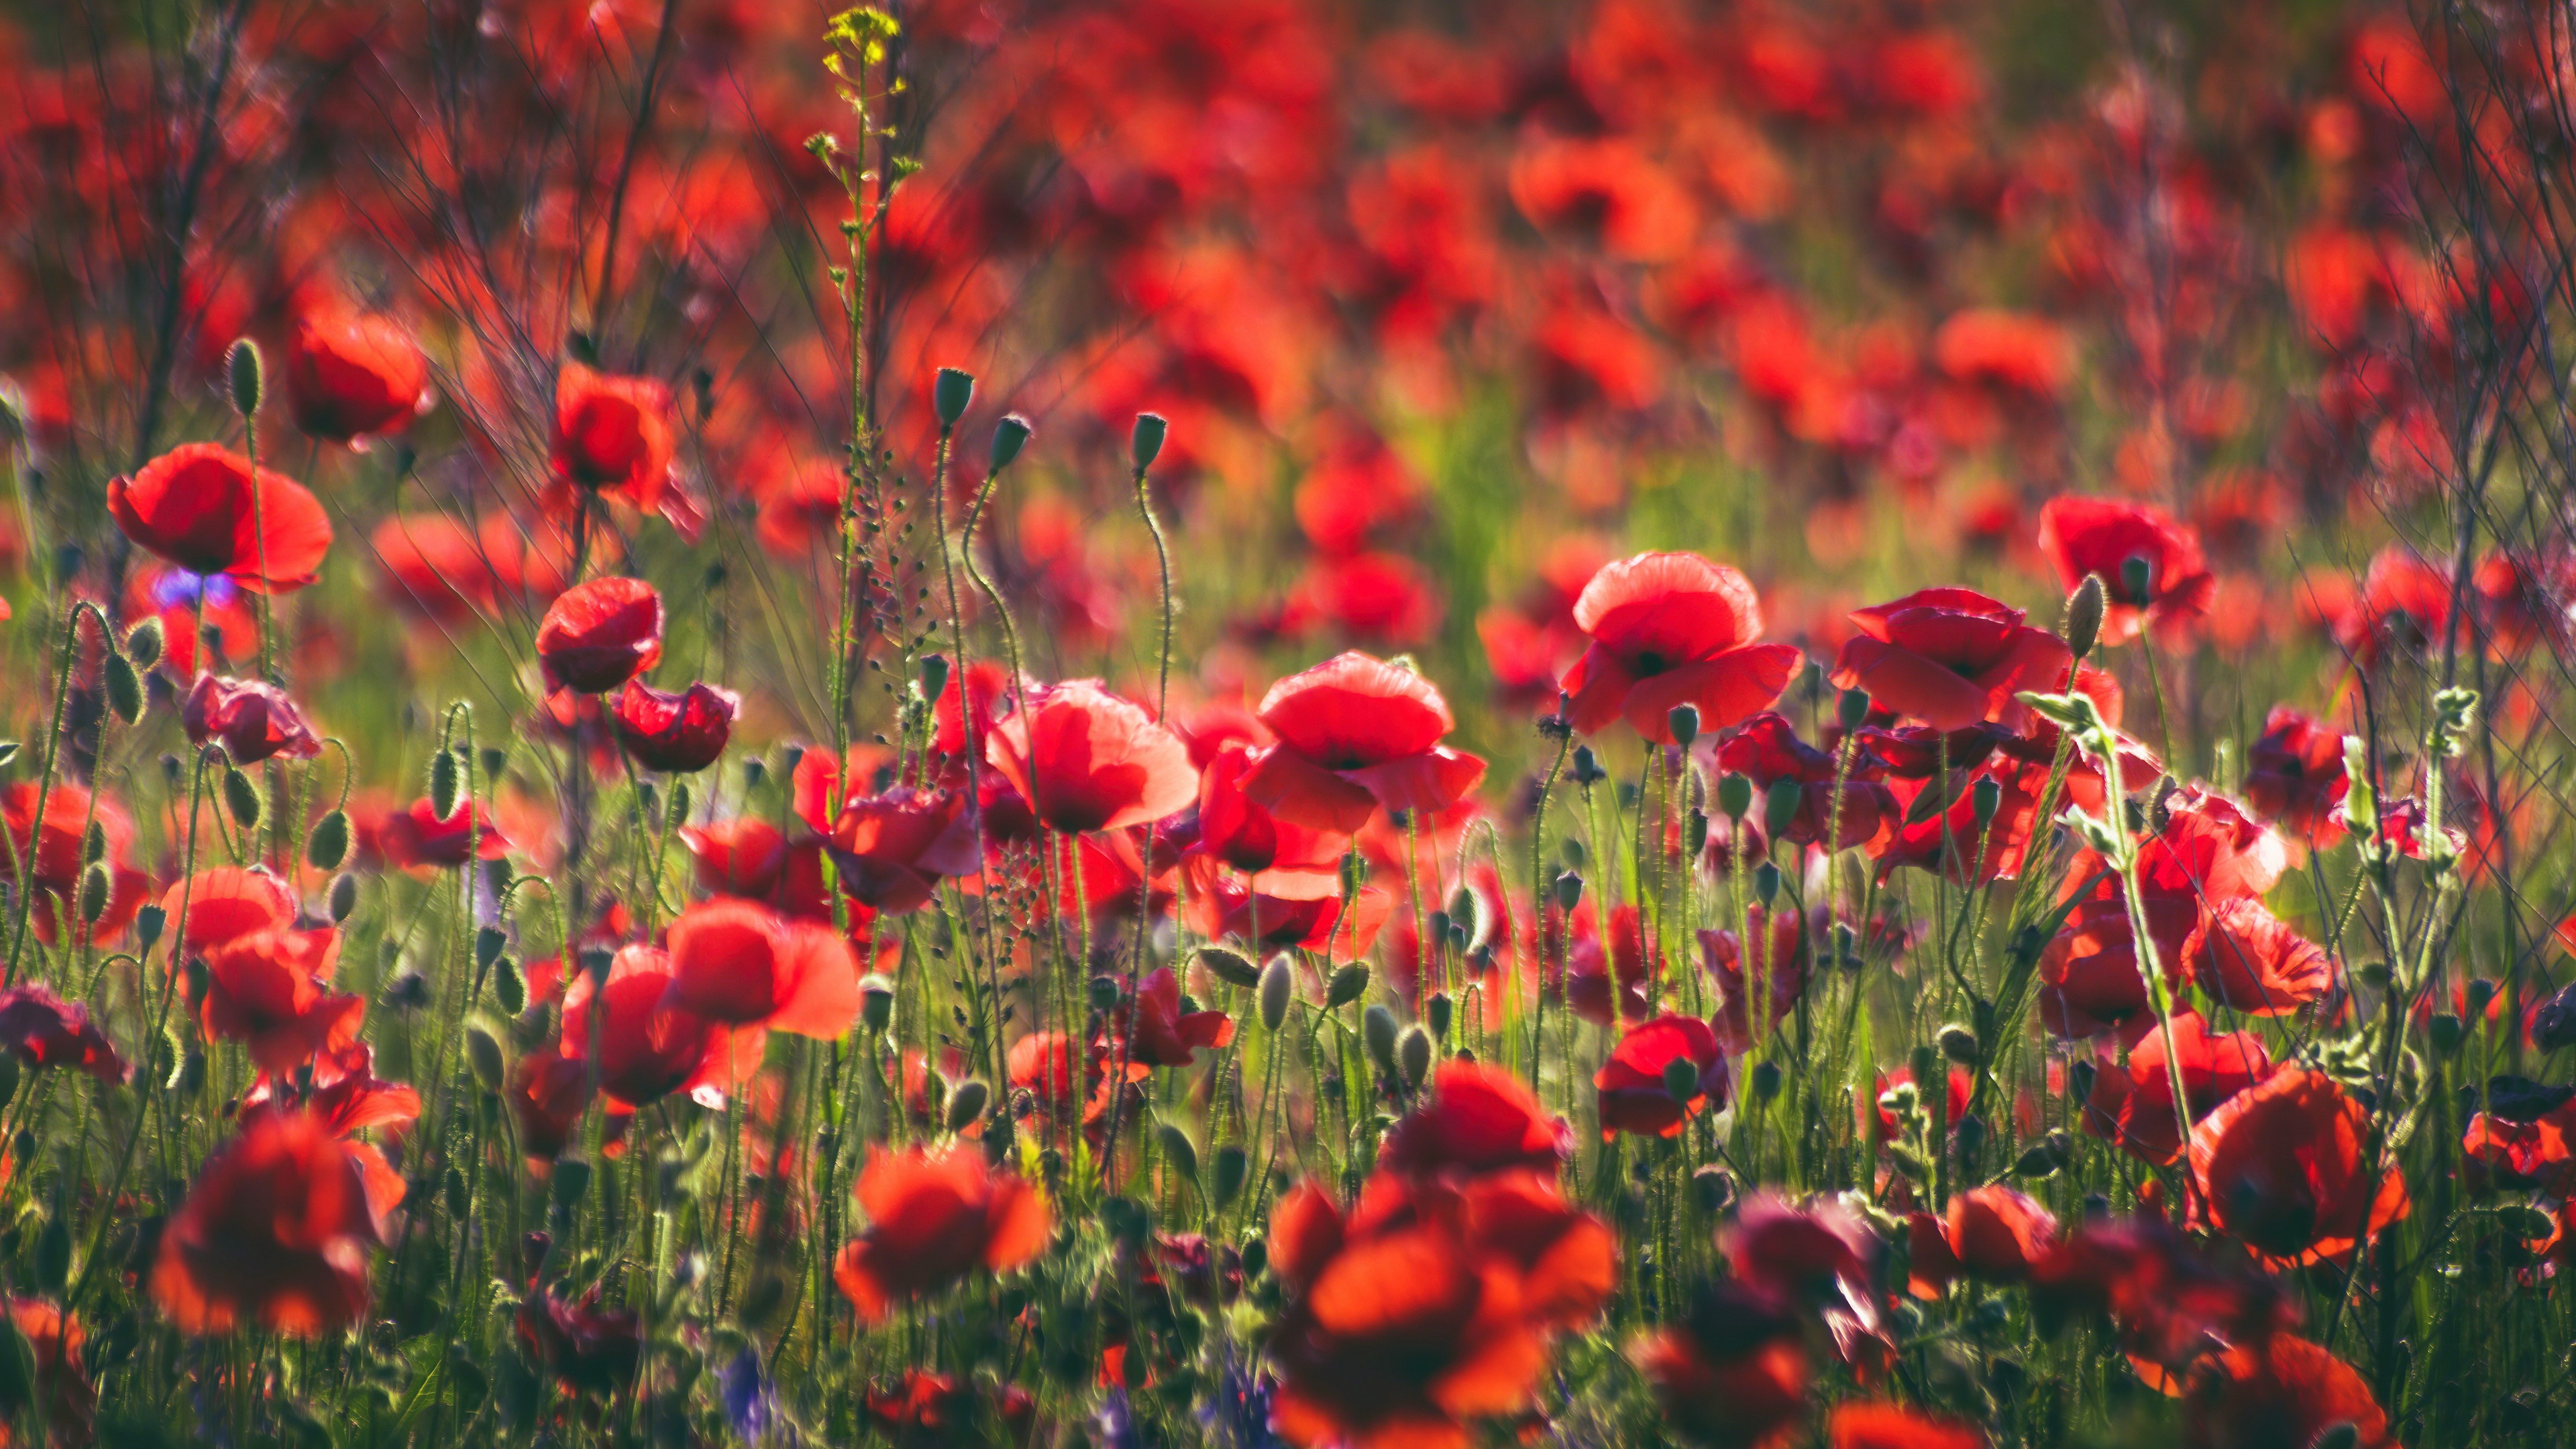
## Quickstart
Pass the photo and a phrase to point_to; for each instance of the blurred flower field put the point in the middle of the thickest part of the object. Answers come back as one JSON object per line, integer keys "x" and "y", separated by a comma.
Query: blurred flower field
{"x": 1287, "y": 722}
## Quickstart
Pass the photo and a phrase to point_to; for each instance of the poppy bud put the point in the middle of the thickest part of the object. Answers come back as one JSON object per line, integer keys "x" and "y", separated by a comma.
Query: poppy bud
{"x": 243, "y": 370}
{"x": 1413, "y": 1055}
{"x": 1683, "y": 721}
{"x": 1227, "y": 1171}
{"x": 489, "y": 943}
{"x": 1104, "y": 993}
{"x": 446, "y": 786}
{"x": 1346, "y": 985}
{"x": 1985, "y": 798}
{"x": 2478, "y": 993}
{"x": 1435, "y": 1013}
{"x": 1766, "y": 1081}
{"x": 1587, "y": 767}
{"x": 241, "y": 797}
{"x": 932, "y": 670}
{"x": 966, "y": 1104}
{"x": 1780, "y": 806}
{"x": 2079, "y": 1078}
{"x": 571, "y": 1182}
{"x": 94, "y": 889}
{"x": 1008, "y": 435}
{"x": 1734, "y": 795}
{"x": 1569, "y": 891}
{"x": 950, "y": 395}
{"x": 2083, "y": 622}
{"x": 1179, "y": 1153}
{"x": 1852, "y": 709}
{"x": 1275, "y": 986}
{"x": 1712, "y": 1187}
{"x": 1766, "y": 883}
{"x": 483, "y": 1055}
{"x": 2447, "y": 1033}
{"x": 1695, "y": 832}
{"x": 328, "y": 845}
{"x": 1681, "y": 1080}
{"x": 344, "y": 897}
{"x": 124, "y": 688}
{"x": 1958, "y": 1043}
{"x": 147, "y": 927}
{"x": 1378, "y": 1031}
{"x": 1972, "y": 1136}
{"x": 1228, "y": 966}
{"x": 1146, "y": 443}
{"x": 509, "y": 986}
{"x": 2137, "y": 577}
{"x": 94, "y": 844}
{"x": 876, "y": 1001}
{"x": 144, "y": 642}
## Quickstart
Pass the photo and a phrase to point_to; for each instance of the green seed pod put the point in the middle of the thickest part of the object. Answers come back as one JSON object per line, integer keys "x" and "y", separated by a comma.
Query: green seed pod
{"x": 2084, "y": 615}
{"x": 1734, "y": 796}
{"x": 876, "y": 1001}
{"x": 1413, "y": 1055}
{"x": 1766, "y": 883}
{"x": 1008, "y": 436}
{"x": 1276, "y": 986}
{"x": 94, "y": 888}
{"x": 930, "y": 671}
{"x": 1985, "y": 798}
{"x": 1228, "y": 966}
{"x": 2447, "y": 1033}
{"x": 950, "y": 394}
{"x": 1103, "y": 993}
{"x": 1681, "y": 1081}
{"x": 147, "y": 927}
{"x": 1766, "y": 1081}
{"x": 1226, "y": 1174}
{"x": 1346, "y": 986}
{"x": 328, "y": 845}
{"x": 1378, "y": 1030}
{"x": 1569, "y": 891}
{"x": 1179, "y": 1153}
{"x": 344, "y": 897}
{"x": 124, "y": 688}
{"x": 483, "y": 1055}
{"x": 1146, "y": 443}
{"x": 243, "y": 370}
{"x": 1683, "y": 721}
{"x": 1958, "y": 1043}
{"x": 1851, "y": 709}
{"x": 1780, "y": 806}
{"x": 241, "y": 797}
{"x": 446, "y": 786}
{"x": 489, "y": 943}
{"x": 509, "y": 985}
{"x": 966, "y": 1103}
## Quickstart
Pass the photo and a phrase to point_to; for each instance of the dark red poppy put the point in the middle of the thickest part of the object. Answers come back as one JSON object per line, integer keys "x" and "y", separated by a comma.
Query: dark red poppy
{"x": 2294, "y": 774}
{"x": 2523, "y": 601}
{"x": 251, "y": 720}
{"x": 2253, "y": 961}
{"x": 352, "y": 374}
{"x": 415, "y": 836}
{"x": 2523, "y": 1149}
{"x": 2283, "y": 1167}
{"x": 894, "y": 849}
{"x": 43, "y": 1030}
{"x": 933, "y": 1218}
{"x": 2132, "y": 1102}
{"x": 1252, "y": 840}
{"x": 1605, "y": 972}
{"x": 935, "y": 1411}
{"x": 194, "y": 506}
{"x": 548, "y": 1093}
{"x": 1354, "y": 734}
{"x": 613, "y": 434}
{"x": 1950, "y": 657}
{"x": 1224, "y": 909}
{"x": 277, "y": 1232}
{"x": 739, "y": 963}
{"x": 987, "y": 684}
{"x": 1476, "y": 1120}
{"x": 52, "y": 856}
{"x": 1086, "y": 760}
{"x": 1991, "y": 1234}
{"x": 1669, "y": 629}
{"x": 1767, "y": 750}
{"x": 2105, "y": 538}
{"x": 599, "y": 635}
{"x": 347, "y": 1096}
{"x": 1893, "y": 1426}
{"x": 588, "y": 1349}
{"x": 1162, "y": 1034}
{"x": 70, "y": 1405}
{"x": 2089, "y": 972}
{"x": 2281, "y": 1389}
{"x": 1820, "y": 1258}
{"x": 1732, "y": 1372}
{"x": 2403, "y": 608}
{"x": 269, "y": 991}
{"x": 1634, "y": 1096}
{"x": 648, "y": 1047}
{"x": 1782, "y": 972}
{"x": 748, "y": 856}
{"x": 678, "y": 733}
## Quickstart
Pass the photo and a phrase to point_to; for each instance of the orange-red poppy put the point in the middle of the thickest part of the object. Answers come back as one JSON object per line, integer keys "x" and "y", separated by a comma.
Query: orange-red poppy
{"x": 933, "y": 1218}
{"x": 195, "y": 506}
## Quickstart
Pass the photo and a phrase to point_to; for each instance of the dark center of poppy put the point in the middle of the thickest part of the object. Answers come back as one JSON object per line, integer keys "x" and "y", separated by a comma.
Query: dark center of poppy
{"x": 1650, "y": 662}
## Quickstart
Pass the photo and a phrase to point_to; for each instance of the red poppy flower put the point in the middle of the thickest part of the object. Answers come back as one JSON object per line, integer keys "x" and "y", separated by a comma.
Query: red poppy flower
{"x": 415, "y": 836}
{"x": 2102, "y": 536}
{"x": 2280, "y": 1167}
{"x": 1767, "y": 750}
{"x": 1223, "y": 909}
{"x": 1244, "y": 835}
{"x": 194, "y": 506}
{"x": 934, "y": 1217}
{"x": 599, "y": 635}
{"x": 2281, "y": 1389}
{"x": 2249, "y": 959}
{"x": 1356, "y": 733}
{"x": 1991, "y": 1234}
{"x": 2088, "y": 972}
{"x": 1669, "y": 629}
{"x": 613, "y": 434}
{"x": 1892, "y": 1426}
{"x": 71, "y": 1397}
{"x": 2294, "y": 772}
{"x": 649, "y": 1047}
{"x": 1163, "y": 1034}
{"x": 1633, "y": 1094}
{"x": 2132, "y": 1102}
{"x": 277, "y": 1232}
{"x": 2523, "y": 601}
{"x": 2404, "y": 607}
{"x": 1950, "y": 657}
{"x": 251, "y": 720}
{"x": 750, "y": 857}
{"x": 677, "y": 733}
{"x": 548, "y": 1093}
{"x": 1605, "y": 972}
{"x": 738, "y": 963}
{"x": 1820, "y": 1258}
{"x": 934, "y": 1411}
{"x": 1783, "y": 970}
{"x": 43, "y": 1030}
{"x": 1477, "y": 1120}
{"x": 351, "y": 374}
{"x": 589, "y": 1350}
{"x": 893, "y": 849}
{"x": 266, "y": 990}
{"x": 225, "y": 903}
{"x": 1732, "y": 1372}
{"x": 347, "y": 1097}
{"x": 2204, "y": 845}
{"x": 1086, "y": 760}
{"x": 52, "y": 856}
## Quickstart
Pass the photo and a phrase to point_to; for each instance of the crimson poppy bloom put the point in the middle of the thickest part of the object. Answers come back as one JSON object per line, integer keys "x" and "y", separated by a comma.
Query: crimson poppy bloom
{"x": 415, "y": 836}
{"x": 266, "y": 989}
{"x": 2089, "y": 971}
{"x": 1819, "y": 1256}
{"x": 648, "y": 1046}
{"x": 1950, "y": 657}
{"x": 933, "y": 1218}
{"x": 1087, "y": 760}
{"x": 2102, "y": 537}
{"x": 2281, "y": 1389}
{"x": 196, "y": 507}
{"x": 346, "y": 1096}
{"x": 1732, "y": 1372}
{"x": 613, "y": 434}
{"x": 1783, "y": 970}
{"x": 1669, "y": 629}
{"x": 1162, "y": 1034}
{"x": 2282, "y": 1168}
{"x": 1633, "y": 1095}
{"x": 51, "y": 854}
{"x": 679, "y": 733}
{"x": 253, "y": 721}
{"x": 935, "y": 1411}
{"x": 276, "y": 1232}
{"x": 2294, "y": 774}
{"x": 1991, "y": 1234}
{"x": 1767, "y": 750}
{"x": 351, "y": 374}
{"x": 548, "y": 1092}
{"x": 2132, "y": 1103}
{"x": 1476, "y": 1120}
{"x": 737, "y": 962}
{"x": 894, "y": 849}
{"x": 225, "y": 903}
{"x": 2403, "y": 608}
{"x": 748, "y": 856}
{"x": 599, "y": 635}
{"x": 2249, "y": 959}
{"x": 2523, "y": 601}
{"x": 1893, "y": 1426}
{"x": 71, "y": 1397}
{"x": 1354, "y": 734}
{"x": 1249, "y": 838}
{"x": 1223, "y": 909}
{"x": 590, "y": 1350}
{"x": 43, "y": 1030}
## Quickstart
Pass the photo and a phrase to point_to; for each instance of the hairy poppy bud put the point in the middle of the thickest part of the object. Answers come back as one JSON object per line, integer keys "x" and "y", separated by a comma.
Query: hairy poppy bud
{"x": 1276, "y": 985}
{"x": 1436, "y": 1012}
{"x": 147, "y": 927}
{"x": 344, "y": 897}
{"x": 489, "y": 943}
{"x": 94, "y": 843}
{"x": 1683, "y": 721}
{"x": 94, "y": 889}
{"x": 328, "y": 845}
{"x": 1569, "y": 891}
{"x": 1734, "y": 795}
{"x": 509, "y": 986}
{"x": 241, "y": 797}
{"x": 2080, "y": 1075}
{"x": 1146, "y": 443}
{"x": 1413, "y": 1055}
{"x": 950, "y": 395}
{"x": 1985, "y": 798}
{"x": 1852, "y": 709}
{"x": 2447, "y": 1032}
{"x": 1008, "y": 435}
{"x": 1780, "y": 806}
{"x": 1766, "y": 1081}
{"x": 243, "y": 370}
{"x": 1228, "y": 966}
{"x": 1179, "y": 1153}
{"x": 483, "y": 1055}
{"x": 1378, "y": 1032}
{"x": 932, "y": 671}
{"x": 876, "y": 1001}
{"x": 144, "y": 643}
{"x": 1227, "y": 1171}
{"x": 2478, "y": 993}
{"x": 1766, "y": 883}
{"x": 446, "y": 785}
{"x": 124, "y": 688}
{"x": 1104, "y": 993}
{"x": 1347, "y": 985}
{"x": 571, "y": 1182}
{"x": 966, "y": 1104}
{"x": 1958, "y": 1043}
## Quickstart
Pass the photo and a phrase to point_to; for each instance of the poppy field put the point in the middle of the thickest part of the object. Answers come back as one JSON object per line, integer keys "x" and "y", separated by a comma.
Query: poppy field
{"x": 1287, "y": 723}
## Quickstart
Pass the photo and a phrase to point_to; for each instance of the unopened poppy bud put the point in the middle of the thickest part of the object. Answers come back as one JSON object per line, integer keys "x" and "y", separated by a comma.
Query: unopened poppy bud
{"x": 94, "y": 890}
{"x": 1734, "y": 795}
{"x": 344, "y": 897}
{"x": 509, "y": 986}
{"x": 1972, "y": 1136}
{"x": 1712, "y": 1187}
{"x": 1275, "y": 987}
{"x": 2478, "y": 993}
{"x": 1228, "y": 966}
{"x": 1695, "y": 832}
{"x": 2447, "y": 1032}
{"x": 1985, "y": 798}
{"x": 1766, "y": 883}
{"x": 483, "y": 1054}
{"x": 328, "y": 845}
{"x": 1378, "y": 1030}
{"x": 1683, "y": 721}
{"x": 1569, "y": 891}
{"x": 1780, "y": 806}
{"x": 1681, "y": 1081}
{"x": 1920, "y": 1064}
{"x": 1008, "y": 435}
{"x": 124, "y": 688}
{"x": 1587, "y": 767}
{"x": 571, "y": 1182}
{"x": 876, "y": 1001}
{"x": 932, "y": 670}
{"x": 1852, "y": 709}
{"x": 241, "y": 797}
{"x": 489, "y": 943}
{"x": 1180, "y": 1154}
{"x": 1146, "y": 443}
{"x": 1766, "y": 1081}
{"x": 242, "y": 369}
{"x": 1226, "y": 1174}
{"x": 1103, "y": 993}
{"x": 950, "y": 395}
{"x": 1435, "y": 1013}
{"x": 966, "y": 1102}
{"x": 2079, "y": 1078}
{"x": 144, "y": 642}
{"x": 1347, "y": 985}
{"x": 94, "y": 843}
{"x": 1958, "y": 1043}
{"x": 2137, "y": 577}
{"x": 2084, "y": 615}
{"x": 147, "y": 927}
{"x": 446, "y": 786}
